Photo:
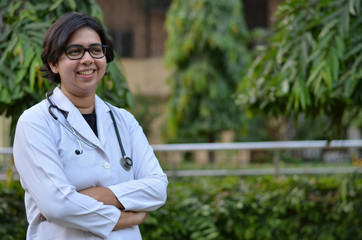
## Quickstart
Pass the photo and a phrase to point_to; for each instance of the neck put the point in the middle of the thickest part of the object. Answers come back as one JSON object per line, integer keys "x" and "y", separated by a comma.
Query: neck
{"x": 85, "y": 108}
{"x": 85, "y": 104}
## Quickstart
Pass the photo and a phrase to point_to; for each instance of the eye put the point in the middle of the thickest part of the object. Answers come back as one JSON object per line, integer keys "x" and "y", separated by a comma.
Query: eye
{"x": 96, "y": 50}
{"x": 74, "y": 51}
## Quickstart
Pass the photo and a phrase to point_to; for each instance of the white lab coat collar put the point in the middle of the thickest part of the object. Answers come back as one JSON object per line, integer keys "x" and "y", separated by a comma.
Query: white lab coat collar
{"x": 77, "y": 121}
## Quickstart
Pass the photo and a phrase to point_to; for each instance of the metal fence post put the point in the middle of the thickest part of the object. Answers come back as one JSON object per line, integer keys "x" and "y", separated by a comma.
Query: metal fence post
{"x": 174, "y": 162}
{"x": 276, "y": 160}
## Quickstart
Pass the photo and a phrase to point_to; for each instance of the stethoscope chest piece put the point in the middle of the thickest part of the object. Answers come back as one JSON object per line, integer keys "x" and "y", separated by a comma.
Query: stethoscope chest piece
{"x": 126, "y": 163}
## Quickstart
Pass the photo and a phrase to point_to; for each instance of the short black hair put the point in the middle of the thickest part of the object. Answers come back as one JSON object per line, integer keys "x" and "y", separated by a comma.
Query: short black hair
{"x": 58, "y": 34}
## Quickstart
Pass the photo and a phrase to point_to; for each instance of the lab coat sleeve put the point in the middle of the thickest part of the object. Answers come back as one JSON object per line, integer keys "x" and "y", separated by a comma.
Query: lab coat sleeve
{"x": 148, "y": 191}
{"x": 42, "y": 176}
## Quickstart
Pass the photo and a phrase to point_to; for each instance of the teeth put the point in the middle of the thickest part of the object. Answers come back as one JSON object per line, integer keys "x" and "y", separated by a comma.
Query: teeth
{"x": 88, "y": 72}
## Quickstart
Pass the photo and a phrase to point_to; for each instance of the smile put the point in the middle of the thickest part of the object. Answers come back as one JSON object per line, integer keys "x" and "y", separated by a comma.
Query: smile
{"x": 88, "y": 72}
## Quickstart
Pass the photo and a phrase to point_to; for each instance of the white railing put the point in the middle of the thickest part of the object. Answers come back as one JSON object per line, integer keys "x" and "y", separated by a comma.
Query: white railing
{"x": 319, "y": 144}
{"x": 6, "y": 151}
{"x": 275, "y": 146}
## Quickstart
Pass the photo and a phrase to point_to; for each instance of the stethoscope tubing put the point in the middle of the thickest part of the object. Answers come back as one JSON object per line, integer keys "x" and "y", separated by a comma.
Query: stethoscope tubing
{"x": 117, "y": 132}
{"x": 125, "y": 161}
{"x": 70, "y": 129}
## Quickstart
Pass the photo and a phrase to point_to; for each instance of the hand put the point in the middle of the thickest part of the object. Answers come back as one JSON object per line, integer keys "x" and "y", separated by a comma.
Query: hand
{"x": 129, "y": 219}
{"x": 42, "y": 218}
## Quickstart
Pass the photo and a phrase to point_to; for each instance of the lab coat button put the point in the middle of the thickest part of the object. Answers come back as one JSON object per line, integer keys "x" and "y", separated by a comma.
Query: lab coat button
{"x": 107, "y": 165}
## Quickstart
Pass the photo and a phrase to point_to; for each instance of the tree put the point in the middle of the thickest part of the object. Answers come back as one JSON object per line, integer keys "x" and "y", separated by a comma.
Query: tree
{"x": 206, "y": 49}
{"x": 313, "y": 64}
{"x": 22, "y": 27}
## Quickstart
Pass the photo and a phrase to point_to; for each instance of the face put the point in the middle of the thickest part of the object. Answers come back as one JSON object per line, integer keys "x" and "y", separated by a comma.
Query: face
{"x": 79, "y": 78}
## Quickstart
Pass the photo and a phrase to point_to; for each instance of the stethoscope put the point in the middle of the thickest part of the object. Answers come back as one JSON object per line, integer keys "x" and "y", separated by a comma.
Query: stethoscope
{"x": 126, "y": 162}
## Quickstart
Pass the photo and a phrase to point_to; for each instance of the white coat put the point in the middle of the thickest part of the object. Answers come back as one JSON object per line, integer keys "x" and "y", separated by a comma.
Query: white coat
{"x": 51, "y": 173}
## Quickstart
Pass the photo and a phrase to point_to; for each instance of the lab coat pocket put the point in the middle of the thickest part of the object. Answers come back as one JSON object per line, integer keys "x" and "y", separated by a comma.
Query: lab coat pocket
{"x": 82, "y": 169}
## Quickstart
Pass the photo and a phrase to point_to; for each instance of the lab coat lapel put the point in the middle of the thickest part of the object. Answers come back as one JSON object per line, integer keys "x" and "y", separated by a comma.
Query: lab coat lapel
{"x": 75, "y": 118}
{"x": 104, "y": 121}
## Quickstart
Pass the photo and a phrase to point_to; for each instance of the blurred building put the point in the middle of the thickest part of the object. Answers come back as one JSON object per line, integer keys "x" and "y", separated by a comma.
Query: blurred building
{"x": 138, "y": 31}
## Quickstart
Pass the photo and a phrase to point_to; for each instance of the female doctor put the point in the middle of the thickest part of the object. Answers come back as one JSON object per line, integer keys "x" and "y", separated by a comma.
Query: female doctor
{"x": 87, "y": 169}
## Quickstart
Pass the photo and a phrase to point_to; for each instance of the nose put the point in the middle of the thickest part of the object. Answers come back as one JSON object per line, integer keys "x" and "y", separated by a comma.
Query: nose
{"x": 87, "y": 58}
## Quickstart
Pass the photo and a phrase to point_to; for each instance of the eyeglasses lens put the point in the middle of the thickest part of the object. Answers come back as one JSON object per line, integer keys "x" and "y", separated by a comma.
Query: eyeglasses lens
{"x": 77, "y": 52}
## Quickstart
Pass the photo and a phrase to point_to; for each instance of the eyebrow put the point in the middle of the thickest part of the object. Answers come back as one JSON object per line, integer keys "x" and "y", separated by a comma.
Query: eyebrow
{"x": 78, "y": 45}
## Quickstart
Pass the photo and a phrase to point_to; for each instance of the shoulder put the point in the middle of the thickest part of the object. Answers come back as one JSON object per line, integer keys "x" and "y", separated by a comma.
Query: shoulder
{"x": 36, "y": 113}
{"x": 33, "y": 125}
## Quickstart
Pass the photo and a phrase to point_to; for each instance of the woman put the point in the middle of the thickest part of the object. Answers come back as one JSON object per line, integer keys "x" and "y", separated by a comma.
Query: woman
{"x": 80, "y": 180}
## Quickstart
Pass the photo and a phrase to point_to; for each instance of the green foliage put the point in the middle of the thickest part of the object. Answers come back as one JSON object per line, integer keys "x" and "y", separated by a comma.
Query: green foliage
{"x": 22, "y": 28}
{"x": 146, "y": 110}
{"x": 299, "y": 207}
{"x": 13, "y": 222}
{"x": 313, "y": 64}
{"x": 260, "y": 208}
{"x": 206, "y": 49}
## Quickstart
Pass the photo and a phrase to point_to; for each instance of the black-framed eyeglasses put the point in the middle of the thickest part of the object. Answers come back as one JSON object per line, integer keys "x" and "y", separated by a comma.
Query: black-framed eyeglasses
{"x": 75, "y": 52}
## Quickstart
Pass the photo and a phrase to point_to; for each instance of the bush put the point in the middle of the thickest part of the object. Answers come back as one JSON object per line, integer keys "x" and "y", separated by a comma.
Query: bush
{"x": 13, "y": 223}
{"x": 299, "y": 207}
{"x": 260, "y": 208}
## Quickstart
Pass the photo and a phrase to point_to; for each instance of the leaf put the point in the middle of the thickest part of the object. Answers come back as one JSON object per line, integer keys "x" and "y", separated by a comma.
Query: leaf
{"x": 351, "y": 7}
{"x": 37, "y": 26}
{"x": 340, "y": 46}
{"x": 327, "y": 28}
{"x": 315, "y": 71}
{"x": 303, "y": 58}
{"x": 334, "y": 63}
{"x": 345, "y": 21}
{"x": 32, "y": 75}
{"x": 13, "y": 7}
{"x": 317, "y": 83}
{"x": 5, "y": 96}
{"x": 357, "y": 64}
{"x": 72, "y": 4}
{"x": 28, "y": 56}
{"x": 349, "y": 87}
{"x": 354, "y": 50}
{"x": 9, "y": 49}
{"x": 18, "y": 52}
{"x": 357, "y": 5}
{"x": 325, "y": 41}
{"x": 55, "y": 5}
{"x": 4, "y": 35}
{"x": 20, "y": 76}
{"x": 327, "y": 76}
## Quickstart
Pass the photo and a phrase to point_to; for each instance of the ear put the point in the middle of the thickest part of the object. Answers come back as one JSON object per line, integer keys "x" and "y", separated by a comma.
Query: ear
{"x": 54, "y": 67}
